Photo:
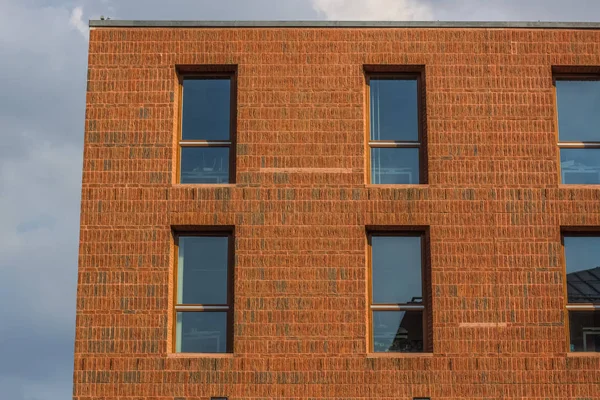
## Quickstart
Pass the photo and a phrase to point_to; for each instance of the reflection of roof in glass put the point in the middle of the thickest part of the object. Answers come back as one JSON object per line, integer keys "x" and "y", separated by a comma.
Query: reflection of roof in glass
{"x": 572, "y": 165}
{"x": 584, "y": 286}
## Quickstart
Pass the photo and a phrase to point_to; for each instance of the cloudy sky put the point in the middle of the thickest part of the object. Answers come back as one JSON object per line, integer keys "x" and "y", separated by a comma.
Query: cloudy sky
{"x": 43, "y": 56}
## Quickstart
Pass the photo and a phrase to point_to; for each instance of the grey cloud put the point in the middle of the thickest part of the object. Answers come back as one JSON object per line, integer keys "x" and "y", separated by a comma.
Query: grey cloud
{"x": 41, "y": 114}
{"x": 211, "y": 9}
{"x": 15, "y": 388}
{"x": 41, "y": 86}
{"x": 40, "y": 208}
{"x": 459, "y": 10}
{"x": 51, "y": 359}
{"x": 515, "y": 10}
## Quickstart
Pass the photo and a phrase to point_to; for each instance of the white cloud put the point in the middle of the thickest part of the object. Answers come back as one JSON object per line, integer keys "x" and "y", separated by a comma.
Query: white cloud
{"x": 76, "y": 21}
{"x": 389, "y": 10}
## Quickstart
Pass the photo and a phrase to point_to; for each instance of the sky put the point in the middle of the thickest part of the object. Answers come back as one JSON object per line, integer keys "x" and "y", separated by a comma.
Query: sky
{"x": 43, "y": 61}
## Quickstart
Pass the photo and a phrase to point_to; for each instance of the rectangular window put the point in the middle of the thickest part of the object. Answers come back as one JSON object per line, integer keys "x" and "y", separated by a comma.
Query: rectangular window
{"x": 203, "y": 306}
{"x": 582, "y": 259}
{"x": 578, "y": 108}
{"x": 397, "y": 309}
{"x": 207, "y": 129}
{"x": 395, "y": 133}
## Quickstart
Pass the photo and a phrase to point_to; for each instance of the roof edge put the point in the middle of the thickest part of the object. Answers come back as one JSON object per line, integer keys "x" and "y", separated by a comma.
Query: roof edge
{"x": 341, "y": 24}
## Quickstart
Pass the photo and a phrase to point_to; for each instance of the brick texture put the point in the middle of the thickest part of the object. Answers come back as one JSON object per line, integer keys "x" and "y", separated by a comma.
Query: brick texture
{"x": 493, "y": 205}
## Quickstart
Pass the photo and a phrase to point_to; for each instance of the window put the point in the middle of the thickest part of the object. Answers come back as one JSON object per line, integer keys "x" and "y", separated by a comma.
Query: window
{"x": 578, "y": 106}
{"x": 397, "y": 309}
{"x": 395, "y": 129}
{"x": 203, "y": 306}
{"x": 206, "y": 149}
{"x": 582, "y": 259}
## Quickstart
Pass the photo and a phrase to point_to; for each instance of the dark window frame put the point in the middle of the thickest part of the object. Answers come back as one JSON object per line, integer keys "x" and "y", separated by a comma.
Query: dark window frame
{"x": 567, "y": 76}
{"x": 419, "y": 143}
{"x": 229, "y": 144}
{"x": 424, "y": 307}
{"x": 228, "y": 307}
{"x": 574, "y": 307}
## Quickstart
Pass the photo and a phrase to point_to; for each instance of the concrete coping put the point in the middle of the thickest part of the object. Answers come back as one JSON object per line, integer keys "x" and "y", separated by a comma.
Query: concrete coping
{"x": 110, "y": 23}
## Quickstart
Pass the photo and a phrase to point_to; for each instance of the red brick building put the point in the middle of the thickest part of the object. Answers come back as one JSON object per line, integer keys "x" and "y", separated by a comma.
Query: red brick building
{"x": 321, "y": 210}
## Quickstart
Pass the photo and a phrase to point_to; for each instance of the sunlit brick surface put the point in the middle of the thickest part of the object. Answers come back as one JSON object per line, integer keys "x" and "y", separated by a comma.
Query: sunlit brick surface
{"x": 300, "y": 207}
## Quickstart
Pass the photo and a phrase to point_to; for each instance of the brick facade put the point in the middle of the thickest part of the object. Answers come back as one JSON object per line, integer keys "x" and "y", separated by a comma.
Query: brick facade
{"x": 300, "y": 207}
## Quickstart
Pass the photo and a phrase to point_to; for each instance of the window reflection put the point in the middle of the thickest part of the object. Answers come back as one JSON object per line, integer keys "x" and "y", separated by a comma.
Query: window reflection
{"x": 395, "y": 165}
{"x": 206, "y": 130}
{"x": 578, "y": 107}
{"x": 578, "y": 103}
{"x": 582, "y": 258}
{"x": 394, "y": 109}
{"x": 202, "y": 270}
{"x": 396, "y": 268}
{"x": 584, "y": 327}
{"x": 580, "y": 166}
{"x": 201, "y": 332}
{"x": 398, "y": 331}
{"x": 204, "y": 165}
{"x": 206, "y": 110}
{"x": 394, "y": 129}
{"x": 397, "y": 305}
{"x": 203, "y": 298}
{"x": 584, "y": 286}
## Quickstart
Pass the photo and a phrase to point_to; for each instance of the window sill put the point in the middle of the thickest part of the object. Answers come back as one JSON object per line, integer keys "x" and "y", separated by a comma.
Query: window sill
{"x": 583, "y": 354}
{"x": 397, "y": 185}
{"x": 203, "y": 185}
{"x": 579, "y": 185}
{"x": 399, "y": 355}
{"x": 199, "y": 355}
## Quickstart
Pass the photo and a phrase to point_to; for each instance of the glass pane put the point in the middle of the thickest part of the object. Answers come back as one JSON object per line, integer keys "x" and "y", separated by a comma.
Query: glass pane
{"x": 578, "y": 105}
{"x": 206, "y": 109}
{"x": 582, "y": 256}
{"x": 201, "y": 332}
{"x": 584, "y": 329}
{"x": 398, "y": 331}
{"x": 394, "y": 109}
{"x": 204, "y": 165}
{"x": 580, "y": 166}
{"x": 202, "y": 270}
{"x": 396, "y": 265}
{"x": 394, "y": 166}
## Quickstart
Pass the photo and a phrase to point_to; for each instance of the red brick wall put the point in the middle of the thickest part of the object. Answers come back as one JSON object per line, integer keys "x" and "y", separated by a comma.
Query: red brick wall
{"x": 300, "y": 207}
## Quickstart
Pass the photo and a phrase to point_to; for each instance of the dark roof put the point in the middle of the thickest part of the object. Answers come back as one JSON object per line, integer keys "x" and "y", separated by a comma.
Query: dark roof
{"x": 111, "y": 23}
{"x": 584, "y": 286}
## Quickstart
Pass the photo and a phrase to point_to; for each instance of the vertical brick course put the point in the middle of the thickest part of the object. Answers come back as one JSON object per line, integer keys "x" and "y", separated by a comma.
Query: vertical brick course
{"x": 300, "y": 207}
